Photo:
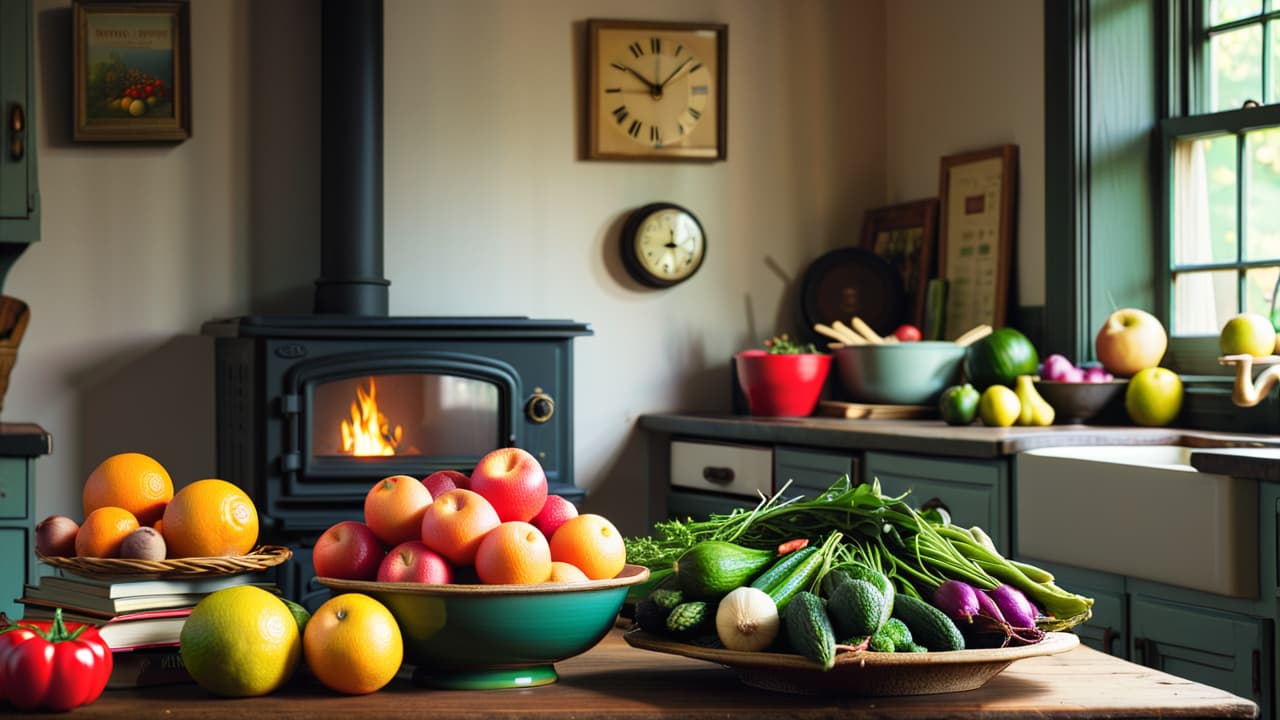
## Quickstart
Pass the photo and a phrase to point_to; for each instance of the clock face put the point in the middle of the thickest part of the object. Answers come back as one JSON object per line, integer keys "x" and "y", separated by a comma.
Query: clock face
{"x": 666, "y": 244}
{"x": 657, "y": 90}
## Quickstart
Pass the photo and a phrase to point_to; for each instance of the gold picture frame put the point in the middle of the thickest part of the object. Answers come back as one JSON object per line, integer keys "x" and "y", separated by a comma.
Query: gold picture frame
{"x": 656, "y": 90}
{"x": 905, "y": 235}
{"x": 975, "y": 236}
{"x": 131, "y": 71}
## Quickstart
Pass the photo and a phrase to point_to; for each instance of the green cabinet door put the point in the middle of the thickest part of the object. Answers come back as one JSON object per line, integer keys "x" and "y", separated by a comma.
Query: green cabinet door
{"x": 974, "y": 492}
{"x": 19, "y": 194}
{"x": 810, "y": 470}
{"x": 1107, "y": 629}
{"x": 15, "y": 562}
{"x": 1223, "y": 649}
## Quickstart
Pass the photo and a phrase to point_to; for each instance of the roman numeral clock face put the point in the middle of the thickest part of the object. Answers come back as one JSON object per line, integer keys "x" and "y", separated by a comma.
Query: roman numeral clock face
{"x": 656, "y": 91}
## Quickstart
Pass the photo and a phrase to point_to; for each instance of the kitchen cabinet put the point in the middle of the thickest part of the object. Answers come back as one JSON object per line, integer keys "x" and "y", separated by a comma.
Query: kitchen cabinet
{"x": 20, "y": 445}
{"x": 19, "y": 190}
{"x": 974, "y": 492}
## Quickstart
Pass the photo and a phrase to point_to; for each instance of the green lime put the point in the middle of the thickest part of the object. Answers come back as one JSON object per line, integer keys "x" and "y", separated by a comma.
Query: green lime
{"x": 300, "y": 614}
{"x": 959, "y": 404}
{"x": 999, "y": 406}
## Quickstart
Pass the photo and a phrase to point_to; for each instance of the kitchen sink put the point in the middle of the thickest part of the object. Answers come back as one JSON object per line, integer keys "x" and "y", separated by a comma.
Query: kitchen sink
{"x": 1139, "y": 511}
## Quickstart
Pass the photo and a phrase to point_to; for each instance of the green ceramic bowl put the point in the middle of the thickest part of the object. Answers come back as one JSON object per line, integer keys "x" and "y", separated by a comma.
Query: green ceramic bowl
{"x": 905, "y": 373}
{"x": 485, "y": 637}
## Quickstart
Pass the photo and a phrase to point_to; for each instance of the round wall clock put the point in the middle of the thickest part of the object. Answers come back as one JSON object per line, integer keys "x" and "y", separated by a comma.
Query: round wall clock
{"x": 663, "y": 244}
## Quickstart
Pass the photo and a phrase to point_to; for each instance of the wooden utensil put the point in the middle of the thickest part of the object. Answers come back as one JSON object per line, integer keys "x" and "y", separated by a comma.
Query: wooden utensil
{"x": 850, "y": 337}
{"x": 838, "y": 332}
{"x": 973, "y": 335}
{"x": 865, "y": 331}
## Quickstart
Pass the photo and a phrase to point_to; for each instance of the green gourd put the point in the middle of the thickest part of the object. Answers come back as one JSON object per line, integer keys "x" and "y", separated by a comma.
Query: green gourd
{"x": 711, "y": 568}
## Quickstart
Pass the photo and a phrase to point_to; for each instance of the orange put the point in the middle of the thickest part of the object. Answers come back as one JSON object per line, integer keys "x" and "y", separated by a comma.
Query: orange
{"x": 102, "y": 532}
{"x": 514, "y": 553}
{"x": 455, "y": 522}
{"x": 564, "y": 572}
{"x": 132, "y": 481}
{"x": 352, "y": 644}
{"x": 393, "y": 509}
{"x": 592, "y": 544}
{"x": 240, "y": 641}
{"x": 210, "y": 518}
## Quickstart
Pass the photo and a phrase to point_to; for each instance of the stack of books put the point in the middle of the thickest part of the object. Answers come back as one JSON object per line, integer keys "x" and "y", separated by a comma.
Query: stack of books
{"x": 140, "y": 620}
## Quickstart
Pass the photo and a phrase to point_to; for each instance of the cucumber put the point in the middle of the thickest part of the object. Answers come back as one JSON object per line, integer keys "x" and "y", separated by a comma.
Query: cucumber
{"x": 711, "y": 568}
{"x": 857, "y": 571}
{"x": 650, "y": 616}
{"x": 929, "y": 626}
{"x": 667, "y": 599}
{"x": 809, "y": 629}
{"x": 856, "y": 609}
{"x": 690, "y": 618}
{"x": 789, "y": 575}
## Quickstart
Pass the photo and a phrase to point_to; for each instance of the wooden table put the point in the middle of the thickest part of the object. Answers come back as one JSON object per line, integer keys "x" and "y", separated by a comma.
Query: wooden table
{"x": 614, "y": 680}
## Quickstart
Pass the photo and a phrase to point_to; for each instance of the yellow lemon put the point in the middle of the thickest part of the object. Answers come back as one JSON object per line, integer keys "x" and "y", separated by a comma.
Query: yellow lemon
{"x": 999, "y": 406}
{"x": 240, "y": 642}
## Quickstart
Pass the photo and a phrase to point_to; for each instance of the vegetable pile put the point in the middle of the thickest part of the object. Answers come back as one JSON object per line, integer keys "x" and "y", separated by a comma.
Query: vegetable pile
{"x": 851, "y": 569}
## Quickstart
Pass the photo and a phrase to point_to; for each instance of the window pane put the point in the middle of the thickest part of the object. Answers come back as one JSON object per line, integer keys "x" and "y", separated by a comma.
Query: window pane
{"x": 1262, "y": 150}
{"x": 1203, "y": 301}
{"x": 1235, "y": 68}
{"x": 1273, "y": 92}
{"x": 1259, "y": 285}
{"x": 1204, "y": 203}
{"x": 1221, "y": 11}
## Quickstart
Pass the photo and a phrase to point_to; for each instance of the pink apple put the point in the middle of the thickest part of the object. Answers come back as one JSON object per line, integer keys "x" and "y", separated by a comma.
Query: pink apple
{"x": 416, "y": 563}
{"x": 553, "y": 514}
{"x": 348, "y": 550}
{"x": 443, "y": 481}
{"x": 1130, "y": 340}
{"x": 512, "y": 481}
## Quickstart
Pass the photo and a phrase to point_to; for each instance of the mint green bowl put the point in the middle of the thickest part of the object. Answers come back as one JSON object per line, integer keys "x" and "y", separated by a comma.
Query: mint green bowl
{"x": 904, "y": 373}
{"x": 486, "y": 637}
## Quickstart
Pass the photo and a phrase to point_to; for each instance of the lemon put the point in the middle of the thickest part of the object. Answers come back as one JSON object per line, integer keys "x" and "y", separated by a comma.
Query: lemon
{"x": 999, "y": 406}
{"x": 240, "y": 642}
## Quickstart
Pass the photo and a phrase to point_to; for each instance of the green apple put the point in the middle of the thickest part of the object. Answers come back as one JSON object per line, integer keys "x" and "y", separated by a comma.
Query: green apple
{"x": 1247, "y": 334}
{"x": 1154, "y": 396}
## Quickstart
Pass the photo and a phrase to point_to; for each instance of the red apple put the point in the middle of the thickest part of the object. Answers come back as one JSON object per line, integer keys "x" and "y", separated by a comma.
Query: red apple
{"x": 1130, "y": 340}
{"x": 553, "y": 514}
{"x": 348, "y": 550}
{"x": 414, "y": 562}
{"x": 513, "y": 482}
{"x": 443, "y": 481}
{"x": 908, "y": 333}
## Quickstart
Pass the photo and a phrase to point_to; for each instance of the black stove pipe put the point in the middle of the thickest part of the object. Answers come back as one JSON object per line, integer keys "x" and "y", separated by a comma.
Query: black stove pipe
{"x": 351, "y": 280}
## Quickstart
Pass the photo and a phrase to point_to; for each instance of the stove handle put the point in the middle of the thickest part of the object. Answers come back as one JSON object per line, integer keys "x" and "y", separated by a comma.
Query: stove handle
{"x": 540, "y": 407}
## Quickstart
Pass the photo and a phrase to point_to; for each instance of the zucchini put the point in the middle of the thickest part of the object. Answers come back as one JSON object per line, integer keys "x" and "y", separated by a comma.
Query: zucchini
{"x": 809, "y": 629}
{"x": 789, "y": 575}
{"x": 711, "y": 568}
{"x": 856, "y": 609}
{"x": 929, "y": 626}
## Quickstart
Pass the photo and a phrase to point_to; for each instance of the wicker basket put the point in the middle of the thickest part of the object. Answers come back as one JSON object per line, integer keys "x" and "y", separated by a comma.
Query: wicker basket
{"x": 14, "y": 316}
{"x": 124, "y": 569}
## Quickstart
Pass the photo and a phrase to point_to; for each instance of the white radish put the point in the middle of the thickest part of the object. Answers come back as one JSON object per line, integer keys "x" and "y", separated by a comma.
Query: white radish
{"x": 747, "y": 619}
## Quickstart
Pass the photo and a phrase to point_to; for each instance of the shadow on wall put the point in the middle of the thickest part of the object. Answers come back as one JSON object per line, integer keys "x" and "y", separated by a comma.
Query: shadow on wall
{"x": 159, "y": 402}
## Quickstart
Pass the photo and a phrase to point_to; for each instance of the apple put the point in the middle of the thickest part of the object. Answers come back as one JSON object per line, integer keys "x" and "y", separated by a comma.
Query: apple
{"x": 1154, "y": 396}
{"x": 1247, "y": 334}
{"x": 512, "y": 481}
{"x": 908, "y": 333}
{"x": 553, "y": 514}
{"x": 348, "y": 550}
{"x": 443, "y": 481}
{"x": 416, "y": 563}
{"x": 1130, "y": 340}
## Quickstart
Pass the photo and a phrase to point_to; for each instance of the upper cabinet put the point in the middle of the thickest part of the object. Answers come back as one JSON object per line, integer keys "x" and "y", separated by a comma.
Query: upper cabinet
{"x": 19, "y": 191}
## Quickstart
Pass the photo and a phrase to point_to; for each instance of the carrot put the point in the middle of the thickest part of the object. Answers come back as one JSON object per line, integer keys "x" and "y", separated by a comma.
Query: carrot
{"x": 791, "y": 546}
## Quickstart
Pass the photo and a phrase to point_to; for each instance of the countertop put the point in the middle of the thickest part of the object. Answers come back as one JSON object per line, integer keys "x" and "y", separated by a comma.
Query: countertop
{"x": 24, "y": 440}
{"x": 934, "y": 437}
{"x": 614, "y": 680}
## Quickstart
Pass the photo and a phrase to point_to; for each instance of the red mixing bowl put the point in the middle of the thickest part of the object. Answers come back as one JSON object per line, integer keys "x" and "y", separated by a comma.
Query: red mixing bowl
{"x": 782, "y": 385}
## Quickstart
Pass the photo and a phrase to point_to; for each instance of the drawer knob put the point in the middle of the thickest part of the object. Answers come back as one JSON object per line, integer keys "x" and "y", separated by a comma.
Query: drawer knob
{"x": 718, "y": 475}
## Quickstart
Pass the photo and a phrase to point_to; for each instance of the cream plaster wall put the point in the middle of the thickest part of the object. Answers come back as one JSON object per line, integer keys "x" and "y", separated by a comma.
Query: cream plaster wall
{"x": 489, "y": 210}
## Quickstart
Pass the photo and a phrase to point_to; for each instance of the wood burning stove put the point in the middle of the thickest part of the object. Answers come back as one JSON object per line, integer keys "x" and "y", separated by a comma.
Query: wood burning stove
{"x": 313, "y": 409}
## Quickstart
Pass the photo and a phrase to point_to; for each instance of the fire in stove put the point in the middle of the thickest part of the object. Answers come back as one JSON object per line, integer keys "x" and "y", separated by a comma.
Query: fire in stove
{"x": 368, "y": 433}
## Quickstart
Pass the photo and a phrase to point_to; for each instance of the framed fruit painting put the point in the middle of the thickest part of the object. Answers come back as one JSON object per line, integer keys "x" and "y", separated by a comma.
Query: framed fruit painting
{"x": 131, "y": 71}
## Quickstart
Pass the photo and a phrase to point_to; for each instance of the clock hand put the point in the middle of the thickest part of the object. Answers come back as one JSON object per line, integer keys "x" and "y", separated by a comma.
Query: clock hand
{"x": 653, "y": 89}
{"x": 675, "y": 72}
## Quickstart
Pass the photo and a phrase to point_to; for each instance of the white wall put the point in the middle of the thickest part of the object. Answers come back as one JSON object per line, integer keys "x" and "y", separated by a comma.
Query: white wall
{"x": 488, "y": 209}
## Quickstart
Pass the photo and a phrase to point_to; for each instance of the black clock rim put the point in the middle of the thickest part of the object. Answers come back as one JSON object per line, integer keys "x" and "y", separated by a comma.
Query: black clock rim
{"x": 628, "y": 241}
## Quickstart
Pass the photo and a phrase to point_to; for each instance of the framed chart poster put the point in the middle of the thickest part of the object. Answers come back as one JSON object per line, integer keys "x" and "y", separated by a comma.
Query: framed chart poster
{"x": 975, "y": 237}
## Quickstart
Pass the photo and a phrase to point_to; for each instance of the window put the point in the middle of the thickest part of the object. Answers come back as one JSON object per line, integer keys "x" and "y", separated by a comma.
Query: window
{"x": 1222, "y": 138}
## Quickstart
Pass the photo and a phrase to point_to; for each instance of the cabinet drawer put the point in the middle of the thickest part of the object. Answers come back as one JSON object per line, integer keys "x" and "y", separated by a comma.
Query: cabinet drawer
{"x": 731, "y": 469}
{"x": 811, "y": 471}
{"x": 13, "y": 488}
{"x": 971, "y": 490}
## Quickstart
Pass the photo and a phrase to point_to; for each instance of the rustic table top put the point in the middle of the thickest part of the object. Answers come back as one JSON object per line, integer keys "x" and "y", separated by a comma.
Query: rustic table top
{"x": 614, "y": 680}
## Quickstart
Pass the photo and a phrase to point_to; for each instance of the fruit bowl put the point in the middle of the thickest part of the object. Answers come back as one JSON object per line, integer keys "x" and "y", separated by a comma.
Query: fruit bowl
{"x": 782, "y": 385}
{"x": 904, "y": 373}
{"x": 1082, "y": 402}
{"x": 485, "y": 637}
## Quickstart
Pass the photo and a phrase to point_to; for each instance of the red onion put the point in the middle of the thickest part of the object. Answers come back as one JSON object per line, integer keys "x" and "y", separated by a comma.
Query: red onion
{"x": 958, "y": 600}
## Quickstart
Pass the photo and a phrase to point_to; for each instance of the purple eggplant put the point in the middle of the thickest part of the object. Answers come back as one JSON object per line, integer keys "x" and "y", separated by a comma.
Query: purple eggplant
{"x": 1016, "y": 608}
{"x": 958, "y": 600}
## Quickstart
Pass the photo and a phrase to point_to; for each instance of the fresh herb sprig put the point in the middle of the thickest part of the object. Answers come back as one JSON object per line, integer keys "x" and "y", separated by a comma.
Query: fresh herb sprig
{"x": 783, "y": 345}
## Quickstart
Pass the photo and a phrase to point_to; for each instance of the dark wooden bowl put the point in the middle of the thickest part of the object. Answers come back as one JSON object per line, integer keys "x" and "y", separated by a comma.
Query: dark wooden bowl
{"x": 1085, "y": 402}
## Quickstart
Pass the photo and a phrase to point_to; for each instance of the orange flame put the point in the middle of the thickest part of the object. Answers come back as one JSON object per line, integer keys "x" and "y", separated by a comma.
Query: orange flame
{"x": 368, "y": 432}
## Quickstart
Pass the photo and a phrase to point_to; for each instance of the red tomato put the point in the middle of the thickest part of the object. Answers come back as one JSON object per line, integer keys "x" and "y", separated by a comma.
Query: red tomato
{"x": 908, "y": 333}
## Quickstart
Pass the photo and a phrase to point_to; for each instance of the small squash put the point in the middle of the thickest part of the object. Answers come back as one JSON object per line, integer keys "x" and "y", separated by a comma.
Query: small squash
{"x": 747, "y": 619}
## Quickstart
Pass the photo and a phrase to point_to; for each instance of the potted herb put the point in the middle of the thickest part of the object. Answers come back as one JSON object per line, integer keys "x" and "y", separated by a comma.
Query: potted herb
{"x": 785, "y": 379}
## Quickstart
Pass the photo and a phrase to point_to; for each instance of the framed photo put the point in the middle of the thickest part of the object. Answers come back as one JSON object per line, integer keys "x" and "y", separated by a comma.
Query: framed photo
{"x": 656, "y": 90}
{"x": 905, "y": 236}
{"x": 131, "y": 71}
{"x": 975, "y": 239}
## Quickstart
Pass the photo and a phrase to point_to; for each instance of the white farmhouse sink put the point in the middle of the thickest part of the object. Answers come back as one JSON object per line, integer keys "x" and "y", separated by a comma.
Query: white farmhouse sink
{"x": 1140, "y": 511}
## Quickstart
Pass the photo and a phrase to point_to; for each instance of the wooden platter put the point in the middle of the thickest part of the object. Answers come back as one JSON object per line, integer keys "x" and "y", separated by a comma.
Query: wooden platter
{"x": 867, "y": 674}
{"x": 867, "y": 411}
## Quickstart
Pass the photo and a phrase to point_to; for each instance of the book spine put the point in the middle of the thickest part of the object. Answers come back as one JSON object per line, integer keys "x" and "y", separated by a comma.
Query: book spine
{"x": 147, "y": 668}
